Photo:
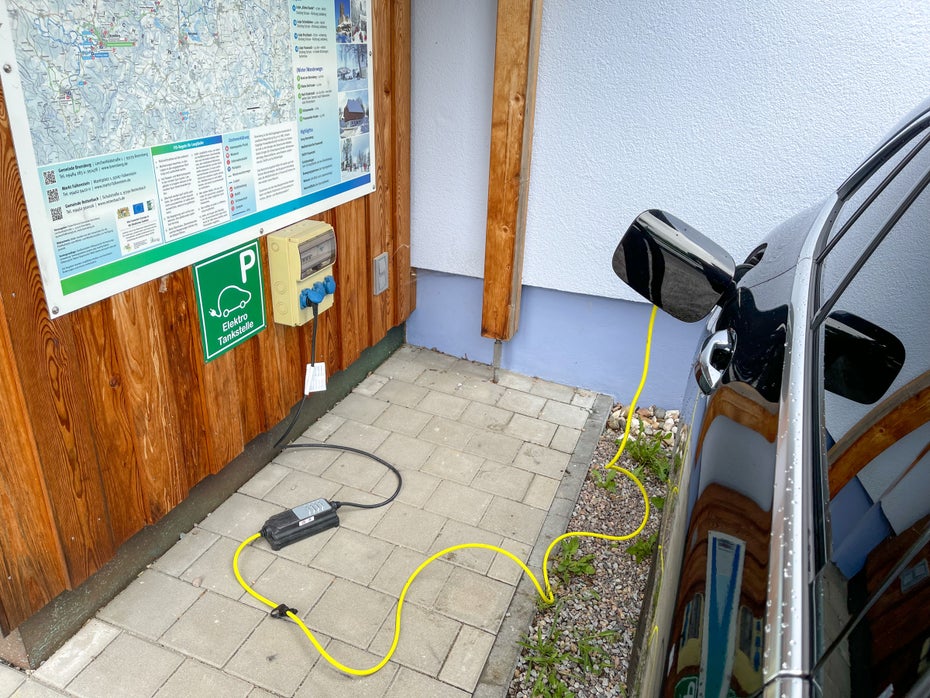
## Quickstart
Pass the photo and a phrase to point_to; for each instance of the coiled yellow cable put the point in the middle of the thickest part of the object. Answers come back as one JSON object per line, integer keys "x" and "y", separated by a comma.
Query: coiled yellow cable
{"x": 544, "y": 591}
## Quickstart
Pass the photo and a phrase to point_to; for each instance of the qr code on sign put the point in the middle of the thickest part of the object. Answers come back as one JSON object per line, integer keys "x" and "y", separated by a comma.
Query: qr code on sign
{"x": 52, "y": 195}
{"x": 56, "y": 213}
{"x": 49, "y": 177}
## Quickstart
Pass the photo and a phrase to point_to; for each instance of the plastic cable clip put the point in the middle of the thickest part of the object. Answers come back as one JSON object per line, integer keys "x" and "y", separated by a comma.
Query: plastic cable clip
{"x": 281, "y": 611}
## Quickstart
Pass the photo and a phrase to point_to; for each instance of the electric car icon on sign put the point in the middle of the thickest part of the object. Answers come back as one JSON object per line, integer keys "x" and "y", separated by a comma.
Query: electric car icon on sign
{"x": 230, "y": 299}
{"x": 794, "y": 548}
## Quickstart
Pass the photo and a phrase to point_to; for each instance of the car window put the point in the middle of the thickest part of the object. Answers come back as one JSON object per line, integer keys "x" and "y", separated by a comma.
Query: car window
{"x": 873, "y": 361}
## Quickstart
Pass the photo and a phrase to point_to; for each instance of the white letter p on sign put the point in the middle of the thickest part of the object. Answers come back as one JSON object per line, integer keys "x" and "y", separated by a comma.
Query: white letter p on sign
{"x": 246, "y": 262}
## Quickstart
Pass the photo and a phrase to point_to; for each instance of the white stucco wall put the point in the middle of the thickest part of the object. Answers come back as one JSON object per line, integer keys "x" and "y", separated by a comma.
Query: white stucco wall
{"x": 731, "y": 114}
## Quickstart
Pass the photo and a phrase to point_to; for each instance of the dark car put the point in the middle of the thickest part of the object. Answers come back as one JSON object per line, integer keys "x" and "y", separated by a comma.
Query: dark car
{"x": 793, "y": 554}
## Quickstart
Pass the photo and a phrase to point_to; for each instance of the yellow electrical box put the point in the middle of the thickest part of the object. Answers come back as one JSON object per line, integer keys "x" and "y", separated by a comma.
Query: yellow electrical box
{"x": 301, "y": 259}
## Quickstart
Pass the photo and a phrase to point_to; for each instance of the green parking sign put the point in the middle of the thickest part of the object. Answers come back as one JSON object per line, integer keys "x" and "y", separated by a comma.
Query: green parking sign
{"x": 230, "y": 297}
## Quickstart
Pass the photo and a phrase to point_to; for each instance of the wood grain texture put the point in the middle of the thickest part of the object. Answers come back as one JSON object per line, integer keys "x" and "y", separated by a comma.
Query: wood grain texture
{"x": 112, "y": 414}
{"x": 403, "y": 281}
{"x": 52, "y": 382}
{"x": 352, "y": 284}
{"x": 381, "y": 202}
{"x": 891, "y": 420}
{"x": 109, "y": 408}
{"x": 515, "y": 62}
{"x": 32, "y": 563}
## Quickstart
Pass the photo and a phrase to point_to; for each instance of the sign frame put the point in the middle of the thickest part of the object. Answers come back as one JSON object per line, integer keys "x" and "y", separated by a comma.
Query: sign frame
{"x": 233, "y": 304}
{"x": 68, "y": 292}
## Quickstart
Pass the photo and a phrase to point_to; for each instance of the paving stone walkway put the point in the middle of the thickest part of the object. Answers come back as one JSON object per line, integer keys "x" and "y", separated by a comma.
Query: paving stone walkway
{"x": 498, "y": 463}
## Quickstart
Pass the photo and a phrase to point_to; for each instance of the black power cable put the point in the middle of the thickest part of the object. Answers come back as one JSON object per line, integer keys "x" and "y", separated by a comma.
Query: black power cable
{"x": 349, "y": 449}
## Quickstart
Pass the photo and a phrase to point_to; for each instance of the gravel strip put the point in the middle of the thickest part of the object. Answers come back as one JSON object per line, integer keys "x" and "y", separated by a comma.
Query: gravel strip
{"x": 593, "y": 621}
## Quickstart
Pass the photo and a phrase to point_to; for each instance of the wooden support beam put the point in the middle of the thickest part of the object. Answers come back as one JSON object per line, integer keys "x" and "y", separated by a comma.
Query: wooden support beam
{"x": 516, "y": 58}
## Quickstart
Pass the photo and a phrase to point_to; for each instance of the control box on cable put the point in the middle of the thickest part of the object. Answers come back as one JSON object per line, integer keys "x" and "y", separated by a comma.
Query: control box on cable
{"x": 301, "y": 258}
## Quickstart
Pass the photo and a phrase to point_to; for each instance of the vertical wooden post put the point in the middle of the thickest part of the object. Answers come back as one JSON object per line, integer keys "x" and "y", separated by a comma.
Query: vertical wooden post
{"x": 515, "y": 62}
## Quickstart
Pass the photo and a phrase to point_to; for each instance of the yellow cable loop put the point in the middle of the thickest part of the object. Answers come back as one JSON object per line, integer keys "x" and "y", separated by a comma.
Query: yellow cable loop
{"x": 546, "y": 595}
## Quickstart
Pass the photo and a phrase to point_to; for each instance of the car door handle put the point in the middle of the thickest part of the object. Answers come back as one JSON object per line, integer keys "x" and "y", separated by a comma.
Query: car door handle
{"x": 714, "y": 359}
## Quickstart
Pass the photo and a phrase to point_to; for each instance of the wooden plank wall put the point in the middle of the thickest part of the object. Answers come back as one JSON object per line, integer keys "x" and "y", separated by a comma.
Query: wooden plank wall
{"x": 516, "y": 58}
{"x": 110, "y": 414}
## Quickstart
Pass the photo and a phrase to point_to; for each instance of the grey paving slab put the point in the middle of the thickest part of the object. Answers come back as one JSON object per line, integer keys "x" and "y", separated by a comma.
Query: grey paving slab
{"x": 513, "y": 519}
{"x": 350, "y": 612}
{"x": 404, "y": 451}
{"x": 239, "y": 516}
{"x": 410, "y": 683}
{"x": 309, "y": 460}
{"x": 469, "y": 653}
{"x": 499, "y": 447}
{"x": 398, "y": 568}
{"x": 33, "y": 689}
{"x": 325, "y": 680}
{"x": 456, "y": 533}
{"x": 75, "y": 654}
{"x": 452, "y": 464}
{"x": 10, "y": 680}
{"x": 506, "y": 570}
{"x": 417, "y": 488}
{"x": 266, "y": 478}
{"x": 517, "y": 381}
{"x": 553, "y": 391}
{"x": 352, "y": 555}
{"x": 408, "y": 526}
{"x": 475, "y": 369}
{"x": 360, "y": 408}
{"x": 504, "y": 480}
{"x": 402, "y": 393}
{"x": 212, "y": 629}
{"x": 195, "y": 679}
{"x": 359, "y": 435}
{"x": 288, "y": 582}
{"x": 403, "y": 420}
{"x": 474, "y": 599}
{"x": 541, "y": 460}
{"x": 481, "y": 390}
{"x": 276, "y": 657}
{"x": 487, "y": 417}
{"x": 541, "y": 492}
{"x": 565, "y": 439}
{"x": 443, "y": 404}
{"x": 213, "y": 570}
{"x": 424, "y": 642}
{"x": 354, "y": 470}
{"x": 182, "y": 554}
{"x": 299, "y": 487}
{"x": 456, "y": 501}
{"x": 401, "y": 368}
{"x": 538, "y": 431}
{"x": 446, "y": 432}
{"x": 128, "y": 667}
{"x": 150, "y": 604}
{"x": 522, "y": 402}
{"x": 566, "y": 415}
{"x": 584, "y": 398}
{"x": 323, "y": 428}
{"x": 371, "y": 385}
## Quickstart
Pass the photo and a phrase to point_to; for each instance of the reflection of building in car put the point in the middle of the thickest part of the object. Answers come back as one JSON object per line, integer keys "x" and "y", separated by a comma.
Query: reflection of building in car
{"x": 794, "y": 554}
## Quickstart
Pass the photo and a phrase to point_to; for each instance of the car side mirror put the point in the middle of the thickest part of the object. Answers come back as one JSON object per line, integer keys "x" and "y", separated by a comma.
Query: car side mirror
{"x": 860, "y": 359}
{"x": 673, "y": 266}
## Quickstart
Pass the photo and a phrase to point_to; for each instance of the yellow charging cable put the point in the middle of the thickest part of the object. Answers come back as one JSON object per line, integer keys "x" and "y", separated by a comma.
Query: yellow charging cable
{"x": 544, "y": 591}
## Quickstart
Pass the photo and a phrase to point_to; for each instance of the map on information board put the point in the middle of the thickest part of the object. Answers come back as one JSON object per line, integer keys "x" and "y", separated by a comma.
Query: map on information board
{"x": 152, "y": 134}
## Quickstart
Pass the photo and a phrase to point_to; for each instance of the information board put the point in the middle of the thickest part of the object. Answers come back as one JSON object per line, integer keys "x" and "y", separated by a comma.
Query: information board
{"x": 151, "y": 134}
